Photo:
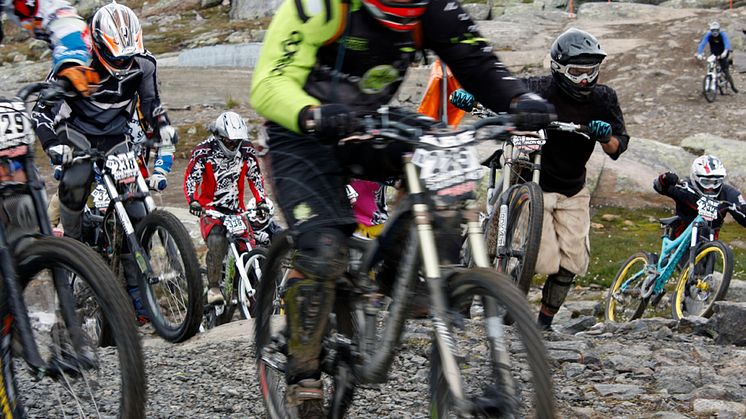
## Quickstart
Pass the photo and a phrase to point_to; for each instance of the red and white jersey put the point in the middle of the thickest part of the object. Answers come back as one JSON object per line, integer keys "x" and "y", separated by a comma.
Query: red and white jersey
{"x": 216, "y": 180}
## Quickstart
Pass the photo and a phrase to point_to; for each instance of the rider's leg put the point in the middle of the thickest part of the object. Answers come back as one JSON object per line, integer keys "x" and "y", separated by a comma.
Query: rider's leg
{"x": 565, "y": 248}
{"x": 217, "y": 247}
{"x": 74, "y": 188}
{"x": 309, "y": 183}
{"x": 725, "y": 68}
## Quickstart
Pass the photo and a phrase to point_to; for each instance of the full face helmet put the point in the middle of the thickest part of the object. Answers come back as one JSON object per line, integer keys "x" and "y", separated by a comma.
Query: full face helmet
{"x": 707, "y": 175}
{"x": 715, "y": 29}
{"x": 117, "y": 38}
{"x": 576, "y": 59}
{"x": 399, "y": 15}
{"x": 230, "y": 130}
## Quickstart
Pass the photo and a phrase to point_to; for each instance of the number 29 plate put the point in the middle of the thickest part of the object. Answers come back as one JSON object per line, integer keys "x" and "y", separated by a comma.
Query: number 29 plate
{"x": 449, "y": 171}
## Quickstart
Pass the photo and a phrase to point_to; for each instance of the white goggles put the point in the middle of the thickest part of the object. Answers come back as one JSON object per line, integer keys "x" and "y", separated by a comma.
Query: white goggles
{"x": 710, "y": 182}
{"x": 579, "y": 72}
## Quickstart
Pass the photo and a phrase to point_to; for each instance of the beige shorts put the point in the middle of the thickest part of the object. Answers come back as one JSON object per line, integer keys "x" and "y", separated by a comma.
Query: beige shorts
{"x": 564, "y": 235}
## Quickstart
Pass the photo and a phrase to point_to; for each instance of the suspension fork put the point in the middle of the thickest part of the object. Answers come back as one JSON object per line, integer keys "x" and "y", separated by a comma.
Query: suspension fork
{"x": 693, "y": 250}
{"x": 18, "y": 309}
{"x": 143, "y": 263}
{"x": 431, "y": 267}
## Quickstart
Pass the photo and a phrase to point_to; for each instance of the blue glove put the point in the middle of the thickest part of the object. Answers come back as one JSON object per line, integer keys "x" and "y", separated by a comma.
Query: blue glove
{"x": 57, "y": 172}
{"x": 600, "y": 131}
{"x": 463, "y": 100}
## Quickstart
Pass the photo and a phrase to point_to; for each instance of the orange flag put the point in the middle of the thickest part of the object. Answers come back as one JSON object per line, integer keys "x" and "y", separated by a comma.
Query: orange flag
{"x": 431, "y": 102}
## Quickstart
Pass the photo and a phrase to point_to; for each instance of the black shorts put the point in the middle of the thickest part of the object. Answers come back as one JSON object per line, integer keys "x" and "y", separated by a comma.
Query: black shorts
{"x": 309, "y": 182}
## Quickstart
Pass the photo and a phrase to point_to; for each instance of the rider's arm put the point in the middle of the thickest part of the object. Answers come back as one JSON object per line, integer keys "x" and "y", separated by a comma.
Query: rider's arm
{"x": 148, "y": 88}
{"x": 703, "y": 43}
{"x": 619, "y": 137}
{"x": 193, "y": 174}
{"x": 297, "y": 31}
{"x": 254, "y": 175}
{"x": 735, "y": 197}
{"x": 449, "y": 31}
{"x": 56, "y": 22}
{"x": 44, "y": 119}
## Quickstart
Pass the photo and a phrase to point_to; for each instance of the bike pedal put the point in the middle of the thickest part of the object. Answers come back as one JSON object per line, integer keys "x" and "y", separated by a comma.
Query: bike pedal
{"x": 657, "y": 298}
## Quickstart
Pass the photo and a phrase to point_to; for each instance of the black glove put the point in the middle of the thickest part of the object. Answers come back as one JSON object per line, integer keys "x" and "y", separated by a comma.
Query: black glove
{"x": 328, "y": 122}
{"x": 532, "y": 112}
{"x": 669, "y": 179}
{"x": 195, "y": 208}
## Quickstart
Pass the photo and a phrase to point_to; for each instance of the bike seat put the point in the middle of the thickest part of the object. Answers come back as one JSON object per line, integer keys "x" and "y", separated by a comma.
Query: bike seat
{"x": 665, "y": 222}
{"x": 495, "y": 157}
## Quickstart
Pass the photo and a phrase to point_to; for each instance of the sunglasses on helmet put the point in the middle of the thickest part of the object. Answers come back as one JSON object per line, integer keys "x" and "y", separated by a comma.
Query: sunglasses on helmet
{"x": 579, "y": 72}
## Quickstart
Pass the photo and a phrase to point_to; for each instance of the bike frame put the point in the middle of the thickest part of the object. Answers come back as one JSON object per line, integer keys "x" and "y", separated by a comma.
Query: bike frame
{"x": 671, "y": 253}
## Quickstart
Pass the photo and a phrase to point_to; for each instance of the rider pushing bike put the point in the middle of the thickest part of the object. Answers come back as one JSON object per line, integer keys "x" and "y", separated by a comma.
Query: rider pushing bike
{"x": 573, "y": 89}
{"x": 214, "y": 179}
{"x": 319, "y": 68}
{"x": 706, "y": 177}
{"x": 126, "y": 72}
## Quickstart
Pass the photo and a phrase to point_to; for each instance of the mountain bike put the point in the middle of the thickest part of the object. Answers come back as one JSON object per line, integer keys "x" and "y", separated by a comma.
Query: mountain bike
{"x": 515, "y": 212}
{"x": 241, "y": 265}
{"x": 701, "y": 265}
{"x": 373, "y": 297}
{"x": 714, "y": 81}
{"x": 57, "y": 300}
{"x": 169, "y": 277}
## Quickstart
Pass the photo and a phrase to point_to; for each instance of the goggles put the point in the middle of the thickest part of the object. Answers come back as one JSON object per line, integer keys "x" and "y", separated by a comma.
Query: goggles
{"x": 710, "y": 182}
{"x": 579, "y": 72}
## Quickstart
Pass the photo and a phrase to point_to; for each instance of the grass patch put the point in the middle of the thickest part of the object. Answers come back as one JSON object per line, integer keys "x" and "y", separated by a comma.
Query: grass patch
{"x": 636, "y": 230}
{"x": 231, "y": 103}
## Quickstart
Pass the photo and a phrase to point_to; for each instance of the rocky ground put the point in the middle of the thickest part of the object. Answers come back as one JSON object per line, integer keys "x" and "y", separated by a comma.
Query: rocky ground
{"x": 649, "y": 368}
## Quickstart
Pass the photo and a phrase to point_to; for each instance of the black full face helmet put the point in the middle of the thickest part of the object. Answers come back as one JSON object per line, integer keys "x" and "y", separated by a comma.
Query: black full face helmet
{"x": 576, "y": 58}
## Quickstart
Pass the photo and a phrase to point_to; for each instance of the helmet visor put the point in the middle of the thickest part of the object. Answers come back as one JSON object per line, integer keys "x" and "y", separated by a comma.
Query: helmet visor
{"x": 580, "y": 72}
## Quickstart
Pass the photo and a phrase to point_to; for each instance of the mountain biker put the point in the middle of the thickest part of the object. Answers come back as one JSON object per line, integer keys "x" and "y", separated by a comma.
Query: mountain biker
{"x": 57, "y": 23}
{"x": 214, "y": 179}
{"x": 574, "y": 91}
{"x": 321, "y": 63}
{"x": 706, "y": 177}
{"x": 720, "y": 48}
{"x": 127, "y": 74}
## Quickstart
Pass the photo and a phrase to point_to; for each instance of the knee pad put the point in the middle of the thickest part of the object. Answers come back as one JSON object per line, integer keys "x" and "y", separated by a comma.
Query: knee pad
{"x": 75, "y": 185}
{"x": 556, "y": 289}
{"x": 322, "y": 254}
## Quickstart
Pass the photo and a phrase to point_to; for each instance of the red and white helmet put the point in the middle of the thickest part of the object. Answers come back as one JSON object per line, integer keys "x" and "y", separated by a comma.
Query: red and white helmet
{"x": 399, "y": 15}
{"x": 707, "y": 175}
{"x": 117, "y": 38}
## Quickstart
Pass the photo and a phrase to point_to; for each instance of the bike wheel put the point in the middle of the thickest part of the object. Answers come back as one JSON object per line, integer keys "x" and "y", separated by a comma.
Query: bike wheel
{"x": 624, "y": 301}
{"x": 269, "y": 327}
{"x": 173, "y": 295}
{"x": 708, "y": 89}
{"x": 247, "y": 291}
{"x": 84, "y": 380}
{"x": 508, "y": 374}
{"x": 523, "y": 235}
{"x": 713, "y": 269}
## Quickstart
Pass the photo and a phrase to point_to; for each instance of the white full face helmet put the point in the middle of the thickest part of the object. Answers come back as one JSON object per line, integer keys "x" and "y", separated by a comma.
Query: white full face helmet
{"x": 707, "y": 175}
{"x": 117, "y": 38}
{"x": 230, "y": 129}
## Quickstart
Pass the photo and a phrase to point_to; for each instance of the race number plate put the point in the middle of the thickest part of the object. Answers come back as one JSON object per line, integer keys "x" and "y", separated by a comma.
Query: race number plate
{"x": 234, "y": 224}
{"x": 452, "y": 172}
{"x": 100, "y": 197}
{"x": 528, "y": 144}
{"x": 15, "y": 128}
{"x": 707, "y": 208}
{"x": 123, "y": 167}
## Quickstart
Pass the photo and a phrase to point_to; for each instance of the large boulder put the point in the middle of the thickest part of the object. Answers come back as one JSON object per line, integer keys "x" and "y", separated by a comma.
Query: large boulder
{"x": 253, "y": 9}
{"x": 168, "y": 7}
{"x": 728, "y": 323}
{"x": 695, "y": 4}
